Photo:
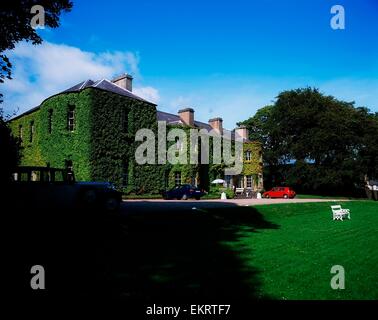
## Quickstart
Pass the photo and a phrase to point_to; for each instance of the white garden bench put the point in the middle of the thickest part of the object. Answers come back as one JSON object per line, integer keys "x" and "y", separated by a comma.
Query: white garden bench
{"x": 339, "y": 213}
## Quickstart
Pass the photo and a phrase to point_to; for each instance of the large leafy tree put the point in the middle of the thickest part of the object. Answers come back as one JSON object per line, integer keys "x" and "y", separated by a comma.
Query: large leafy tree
{"x": 9, "y": 149}
{"x": 369, "y": 143}
{"x": 260, "y": 129}
{"x": 15, "y": 26}
{"x": 316, "y": 142}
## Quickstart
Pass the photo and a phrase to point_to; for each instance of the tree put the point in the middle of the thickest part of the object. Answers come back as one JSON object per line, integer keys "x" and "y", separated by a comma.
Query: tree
{"x": 260, "y": 129}
{"x": 369, "y": 145}
{"x": 316, "y": 142}
{"x": 15, "y": 26}
{"x": 10, "y": 150}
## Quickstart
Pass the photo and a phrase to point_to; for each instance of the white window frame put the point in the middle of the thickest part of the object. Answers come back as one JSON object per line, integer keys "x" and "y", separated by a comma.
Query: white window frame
{"x": 71, "y": 118}
{"x": 249, "y": 182}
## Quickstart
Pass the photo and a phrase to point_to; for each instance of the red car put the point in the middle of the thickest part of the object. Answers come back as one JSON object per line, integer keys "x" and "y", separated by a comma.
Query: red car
{"x": 280, "y": 192}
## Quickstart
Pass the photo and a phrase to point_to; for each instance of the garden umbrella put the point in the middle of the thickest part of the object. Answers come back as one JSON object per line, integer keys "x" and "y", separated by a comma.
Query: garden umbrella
{"x": 218, "y": 181}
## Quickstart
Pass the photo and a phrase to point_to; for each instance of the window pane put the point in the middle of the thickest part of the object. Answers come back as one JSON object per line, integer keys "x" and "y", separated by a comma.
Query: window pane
{"x": 249, "y": 181}
{"x": 228, "y": 181}
{"x": 241, "y": 182}
{"x": 46, "y": 176}
{"x": 59, "y": 176}
{"x": 71, "y": 118}
{"x": 35, "y": 175}
{"x": 24, "y": 176}
{"x": 50, "y": 121}
{"x": 177, "y": 178}
{"x": 31, "y": 131}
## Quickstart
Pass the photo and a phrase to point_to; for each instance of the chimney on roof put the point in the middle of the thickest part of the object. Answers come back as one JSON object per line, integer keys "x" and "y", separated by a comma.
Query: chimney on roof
{"x": 125, "y": 81}
{"x": 217, "y": 124}
{"x": 187, "y": 116}
{"x": 242, "y": 132}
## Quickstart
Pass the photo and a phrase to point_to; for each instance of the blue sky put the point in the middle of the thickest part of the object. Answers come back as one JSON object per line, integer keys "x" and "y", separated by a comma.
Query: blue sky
{"x": 223, "y": 58}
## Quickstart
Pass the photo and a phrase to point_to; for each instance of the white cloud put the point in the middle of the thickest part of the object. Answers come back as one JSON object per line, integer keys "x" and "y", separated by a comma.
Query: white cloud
{"x": 148, "y": 93}
{"x": 41, "y": 71}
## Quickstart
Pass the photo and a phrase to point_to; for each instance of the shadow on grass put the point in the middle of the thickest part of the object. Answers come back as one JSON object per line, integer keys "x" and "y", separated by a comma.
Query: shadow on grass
{"x": 150, "y": 256}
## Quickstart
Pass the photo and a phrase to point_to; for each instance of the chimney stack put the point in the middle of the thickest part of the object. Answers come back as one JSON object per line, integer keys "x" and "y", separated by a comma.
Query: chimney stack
{"x": 187, "y": 116}
{"x": 125, "y": 81}
{"x": 242, "y": 132}
{"x": 217, "y": 124}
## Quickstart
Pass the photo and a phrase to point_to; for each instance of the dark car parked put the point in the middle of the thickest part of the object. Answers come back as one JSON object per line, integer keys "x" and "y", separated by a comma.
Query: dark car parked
{"x": 184, "y": 192}
{"x": 44, "y": 187}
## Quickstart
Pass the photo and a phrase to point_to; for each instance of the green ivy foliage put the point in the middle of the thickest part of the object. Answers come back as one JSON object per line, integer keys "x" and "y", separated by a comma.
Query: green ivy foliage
{"x": 62, "y": 145}
{"x": 30, "y": 151}
{"x": 103, "y": 142}
{"x": 254, "y": 166}
{"x": 99, "y": 146}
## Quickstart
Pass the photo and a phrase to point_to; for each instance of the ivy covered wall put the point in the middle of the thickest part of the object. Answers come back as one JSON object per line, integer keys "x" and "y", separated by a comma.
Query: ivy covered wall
{"x": 116, "y": 119}
{"x": 98, "y": 146}
{"x": 102, "y": 145}
{"x": 61, "y": 144}
{"x": 53, "y": 144}
{"x": 205, "y": 173}
{"x": 255, "y": 165}
{"x": 31, "y": 154}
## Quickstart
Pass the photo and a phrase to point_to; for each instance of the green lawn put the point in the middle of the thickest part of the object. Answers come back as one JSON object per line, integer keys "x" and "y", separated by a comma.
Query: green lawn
{"x": 295, "y": 258}
{"x": 225, "y": 254}
{"x": 314, "y": 196}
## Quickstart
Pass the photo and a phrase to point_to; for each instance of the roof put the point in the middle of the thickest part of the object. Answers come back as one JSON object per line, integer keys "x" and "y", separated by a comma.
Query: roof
{"x": 171, "y": 118}
{"x": 175, "y": 119}
{"x": 109, "y": 86}
{"x": 106, "y": 85}
{"x": 25, "y": 113}
{"x": 103, "y": 84}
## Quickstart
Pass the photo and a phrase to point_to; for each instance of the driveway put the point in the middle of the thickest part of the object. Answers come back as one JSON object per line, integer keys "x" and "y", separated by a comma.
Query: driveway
{"x": 174, "y": 205}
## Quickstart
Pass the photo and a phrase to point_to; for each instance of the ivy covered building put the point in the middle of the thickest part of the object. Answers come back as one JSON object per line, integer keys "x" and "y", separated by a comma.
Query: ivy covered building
{"x": 91, "y": 127}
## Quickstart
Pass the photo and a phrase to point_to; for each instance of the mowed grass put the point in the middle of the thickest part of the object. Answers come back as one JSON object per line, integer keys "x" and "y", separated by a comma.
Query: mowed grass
{"x": 314, "y": 196}
{"x": 295, "y": 260}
